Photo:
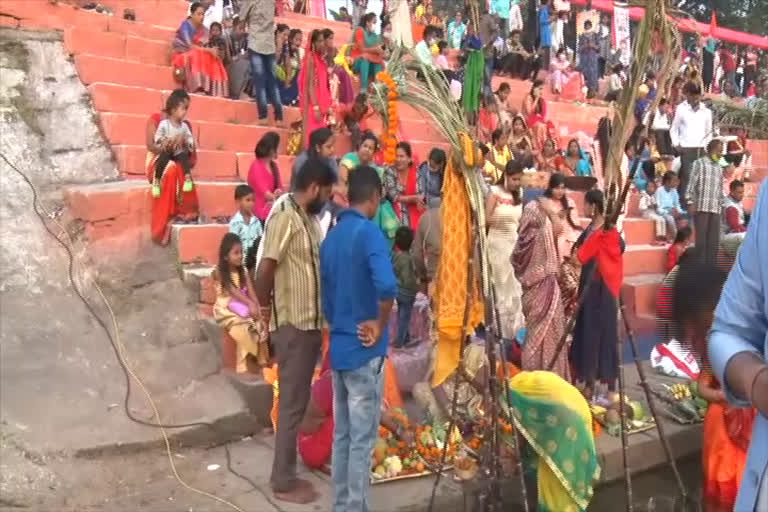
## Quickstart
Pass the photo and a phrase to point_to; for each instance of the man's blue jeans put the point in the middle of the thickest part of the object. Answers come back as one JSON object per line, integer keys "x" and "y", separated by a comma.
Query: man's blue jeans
{"x": 404, "y": 310}
{"x": 265, "y": 84}
{"x": 356, "y": 415}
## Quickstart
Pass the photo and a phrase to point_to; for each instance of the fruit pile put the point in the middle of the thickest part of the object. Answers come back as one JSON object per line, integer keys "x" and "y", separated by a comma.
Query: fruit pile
{"x": 609, "y": 416}
{"x": 683, "y": 403}
{"x": 394, "y": 458}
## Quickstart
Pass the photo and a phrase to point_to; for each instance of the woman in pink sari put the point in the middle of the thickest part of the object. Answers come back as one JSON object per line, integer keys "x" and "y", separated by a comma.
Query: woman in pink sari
{"x": 535, "y": 112}
{"x": 314, "y": 88}
{"x": 264, "y": 176}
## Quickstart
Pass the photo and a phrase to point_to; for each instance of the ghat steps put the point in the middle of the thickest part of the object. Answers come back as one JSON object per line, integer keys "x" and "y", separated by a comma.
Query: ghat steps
{"x": 126, "y": 66}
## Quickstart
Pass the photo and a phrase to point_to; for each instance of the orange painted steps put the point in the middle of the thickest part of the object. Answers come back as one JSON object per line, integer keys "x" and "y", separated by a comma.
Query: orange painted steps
{"x": 639, "y": 293}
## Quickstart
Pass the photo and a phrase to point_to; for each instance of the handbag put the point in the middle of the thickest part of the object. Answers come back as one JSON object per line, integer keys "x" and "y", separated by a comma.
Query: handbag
{"x": 180, "y": 75}
{"x": 240, "y": 309}
{"x": 387, "y": 220}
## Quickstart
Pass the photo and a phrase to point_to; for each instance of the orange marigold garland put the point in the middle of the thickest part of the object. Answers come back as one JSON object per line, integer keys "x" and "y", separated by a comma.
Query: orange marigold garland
{"x": 390, "y": 136}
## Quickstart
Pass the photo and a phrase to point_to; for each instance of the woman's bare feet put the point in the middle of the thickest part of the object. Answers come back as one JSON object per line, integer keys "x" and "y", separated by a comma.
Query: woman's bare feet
{"x": 303, "y": 493}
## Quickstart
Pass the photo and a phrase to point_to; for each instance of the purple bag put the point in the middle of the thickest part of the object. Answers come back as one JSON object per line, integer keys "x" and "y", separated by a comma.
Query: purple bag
{"x": 239, "y": 308}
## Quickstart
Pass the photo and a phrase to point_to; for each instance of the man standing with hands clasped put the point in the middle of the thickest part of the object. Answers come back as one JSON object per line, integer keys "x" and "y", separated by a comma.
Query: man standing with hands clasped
{"x": 704, "y": 197}
{"x": 358, "y": 286}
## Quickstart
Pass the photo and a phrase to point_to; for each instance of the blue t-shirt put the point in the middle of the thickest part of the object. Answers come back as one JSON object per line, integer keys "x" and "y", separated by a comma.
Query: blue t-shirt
{"x": 356, "y": 274}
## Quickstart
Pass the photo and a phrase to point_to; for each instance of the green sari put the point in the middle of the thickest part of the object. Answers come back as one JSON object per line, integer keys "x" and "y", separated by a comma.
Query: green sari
{"x": 473, "y": 81}
{"x": 385, "y": 218}
{"x": 555, "y": 420}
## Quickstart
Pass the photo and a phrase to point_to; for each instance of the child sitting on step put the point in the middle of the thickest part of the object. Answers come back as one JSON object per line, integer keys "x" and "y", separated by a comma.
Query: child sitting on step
{"x": 236, "y": 310}
{"x": 175, "y": 138}
{"x": 246, "y": 225}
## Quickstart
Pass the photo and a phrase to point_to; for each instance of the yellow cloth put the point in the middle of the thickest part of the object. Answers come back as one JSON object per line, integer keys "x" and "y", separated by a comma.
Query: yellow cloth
{"x": 451, "y": 294}
{"x": 418, "y": 13}
{"x": 550, "y": 387}
{"x": 341, "y": 59}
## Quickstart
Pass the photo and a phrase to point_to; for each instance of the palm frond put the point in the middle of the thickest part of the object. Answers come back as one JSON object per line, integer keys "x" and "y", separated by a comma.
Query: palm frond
{"x": 752, "y": 118}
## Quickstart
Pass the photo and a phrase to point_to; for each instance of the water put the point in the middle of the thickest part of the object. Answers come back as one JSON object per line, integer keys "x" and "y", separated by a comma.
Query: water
{"x": 655, "y": 490}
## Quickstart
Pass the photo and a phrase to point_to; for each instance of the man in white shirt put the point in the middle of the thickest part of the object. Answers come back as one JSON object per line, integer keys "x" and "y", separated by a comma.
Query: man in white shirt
{"x": 691, "y": 131}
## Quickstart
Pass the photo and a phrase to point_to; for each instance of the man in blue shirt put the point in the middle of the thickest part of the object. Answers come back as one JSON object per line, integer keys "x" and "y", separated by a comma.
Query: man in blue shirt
{"x": 545, "y": 34}
{"x": 358, "y": 288}
{"x": 738, "y": 350}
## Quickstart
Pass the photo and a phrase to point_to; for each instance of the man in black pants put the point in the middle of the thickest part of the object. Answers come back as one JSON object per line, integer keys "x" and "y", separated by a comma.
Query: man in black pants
{"x": 691, "y": 131}
{"x": 704, "y": 197}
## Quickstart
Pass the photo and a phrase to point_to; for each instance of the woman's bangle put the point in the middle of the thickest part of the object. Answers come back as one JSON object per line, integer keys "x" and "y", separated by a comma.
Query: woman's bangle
{"x": 752, "y": 387}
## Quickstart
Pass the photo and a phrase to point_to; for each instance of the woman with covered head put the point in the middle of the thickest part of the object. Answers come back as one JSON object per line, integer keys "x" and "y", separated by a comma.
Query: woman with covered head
{"x": 537, "y": 261}
{"x": 314, "y": 90}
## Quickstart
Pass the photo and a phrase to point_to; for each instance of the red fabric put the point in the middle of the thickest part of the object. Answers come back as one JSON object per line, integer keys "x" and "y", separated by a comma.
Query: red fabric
{"x": 732, "y": 220}
{"x": 322, "y": 91}
{"x": 204, "y": 71}
{"x": 315, "y": 449}
{"x": 728, "y": 60}
{"x": 411, "y": 189}
{"x": 173, "y": 201}
{"x": 605, "y": 248}
{"x": 673, "y": 254}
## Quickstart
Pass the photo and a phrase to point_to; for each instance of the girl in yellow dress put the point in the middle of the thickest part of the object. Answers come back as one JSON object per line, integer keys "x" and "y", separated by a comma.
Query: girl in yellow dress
{"x": 236, "y": 309}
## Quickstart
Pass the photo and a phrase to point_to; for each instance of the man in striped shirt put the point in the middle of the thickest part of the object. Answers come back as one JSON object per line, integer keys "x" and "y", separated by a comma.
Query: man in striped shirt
{"x": 288, "y": 290}
{"x": 704, "y": 196}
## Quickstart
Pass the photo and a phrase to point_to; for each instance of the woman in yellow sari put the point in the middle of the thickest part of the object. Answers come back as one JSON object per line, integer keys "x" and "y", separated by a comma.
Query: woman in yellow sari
{"x": 555, "y": 420}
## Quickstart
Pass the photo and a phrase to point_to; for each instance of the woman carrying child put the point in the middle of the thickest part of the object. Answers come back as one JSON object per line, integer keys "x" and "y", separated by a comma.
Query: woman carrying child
{"x": 199, "y": 68}
{"x": 287, "y": 69}
{"x": 170, "y": 158}
{"x": 236, "y": 309}
{"x": 314, "y": 89}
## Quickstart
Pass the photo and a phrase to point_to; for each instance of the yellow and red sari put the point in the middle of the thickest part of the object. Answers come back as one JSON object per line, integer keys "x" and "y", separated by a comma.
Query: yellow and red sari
{"x": 203, "y": 71}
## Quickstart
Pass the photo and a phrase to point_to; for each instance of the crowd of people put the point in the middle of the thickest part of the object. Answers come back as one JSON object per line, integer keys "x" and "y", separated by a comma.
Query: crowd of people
{"x": 311, "y": 269}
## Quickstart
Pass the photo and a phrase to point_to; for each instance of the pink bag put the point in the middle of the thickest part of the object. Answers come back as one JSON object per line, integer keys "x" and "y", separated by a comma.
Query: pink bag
{"x": 238, "y": 308}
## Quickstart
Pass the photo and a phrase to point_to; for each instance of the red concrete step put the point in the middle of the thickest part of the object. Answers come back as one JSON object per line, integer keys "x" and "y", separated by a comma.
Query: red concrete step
{"x": 79, "y": 40}
{"x": 211, "y": 165}
{"x": 199, "y": 244}
{"x": 639, "y": 293}
{"x": 644, "y": 259}
{"x": 637, "y": 231}
{"x": 93, "y": 69}
{"x": 125, "y": 99}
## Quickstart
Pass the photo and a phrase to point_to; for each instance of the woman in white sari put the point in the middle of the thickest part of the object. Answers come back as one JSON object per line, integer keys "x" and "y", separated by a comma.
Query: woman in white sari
{"x": 504, "y": 208}
{"x": 400, "y": 16}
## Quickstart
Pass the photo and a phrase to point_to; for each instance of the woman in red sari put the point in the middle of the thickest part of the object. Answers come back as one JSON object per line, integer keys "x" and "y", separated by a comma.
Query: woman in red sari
{"x": 535, "y": 112}
{"x": 173, "y": 204}
{"x": 200, "y": 68}
{"x": 314, "y": 88}
{"x": 400, "y": 187}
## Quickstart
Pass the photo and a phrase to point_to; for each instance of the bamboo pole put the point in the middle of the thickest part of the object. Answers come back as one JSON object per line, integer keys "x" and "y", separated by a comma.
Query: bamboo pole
{"x": 623, "y": 419}
{"x": 651, "y": 400}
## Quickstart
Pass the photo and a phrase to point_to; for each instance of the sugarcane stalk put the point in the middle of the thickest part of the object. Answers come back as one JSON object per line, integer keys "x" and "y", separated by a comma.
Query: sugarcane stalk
{"x": 651, "y": 400}
{"x": 623, "y": 421}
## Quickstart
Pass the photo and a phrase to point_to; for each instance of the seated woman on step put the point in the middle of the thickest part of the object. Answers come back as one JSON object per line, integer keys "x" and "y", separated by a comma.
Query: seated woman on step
{"x": 173, "y": 202}
{"x": 200, "y": 69}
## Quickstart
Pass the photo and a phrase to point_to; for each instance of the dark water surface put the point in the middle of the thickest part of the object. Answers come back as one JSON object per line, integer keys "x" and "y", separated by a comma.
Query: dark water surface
{"x": 657, "y": 486}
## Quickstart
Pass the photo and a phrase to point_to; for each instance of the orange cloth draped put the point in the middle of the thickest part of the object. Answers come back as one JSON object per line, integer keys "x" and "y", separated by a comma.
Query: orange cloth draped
{"x": 204, "y": 72}
{"x": 452, "y": 293}
{"x": 725, "y": 441}
{"x": 173, "y": 201}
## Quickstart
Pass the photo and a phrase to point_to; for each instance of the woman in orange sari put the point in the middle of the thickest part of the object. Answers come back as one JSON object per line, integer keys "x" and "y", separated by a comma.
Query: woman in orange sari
{"x": 199, "y": 68}
{"x": 314, "y": 88}
{"x": 173, "y": 204}
{"x": 727, "y": 429}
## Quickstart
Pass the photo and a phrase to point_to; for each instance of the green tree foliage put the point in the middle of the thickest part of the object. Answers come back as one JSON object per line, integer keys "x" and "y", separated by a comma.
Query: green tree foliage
{"x": 745, "y": 15}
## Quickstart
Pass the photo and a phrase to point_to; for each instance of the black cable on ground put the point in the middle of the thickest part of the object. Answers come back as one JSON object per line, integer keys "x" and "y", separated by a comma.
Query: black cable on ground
{"x": 113, "y": 344}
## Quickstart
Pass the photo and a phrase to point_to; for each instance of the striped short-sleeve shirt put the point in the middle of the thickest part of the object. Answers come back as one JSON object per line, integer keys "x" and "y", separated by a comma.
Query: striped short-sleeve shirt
{"x": 292, "y": 239}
